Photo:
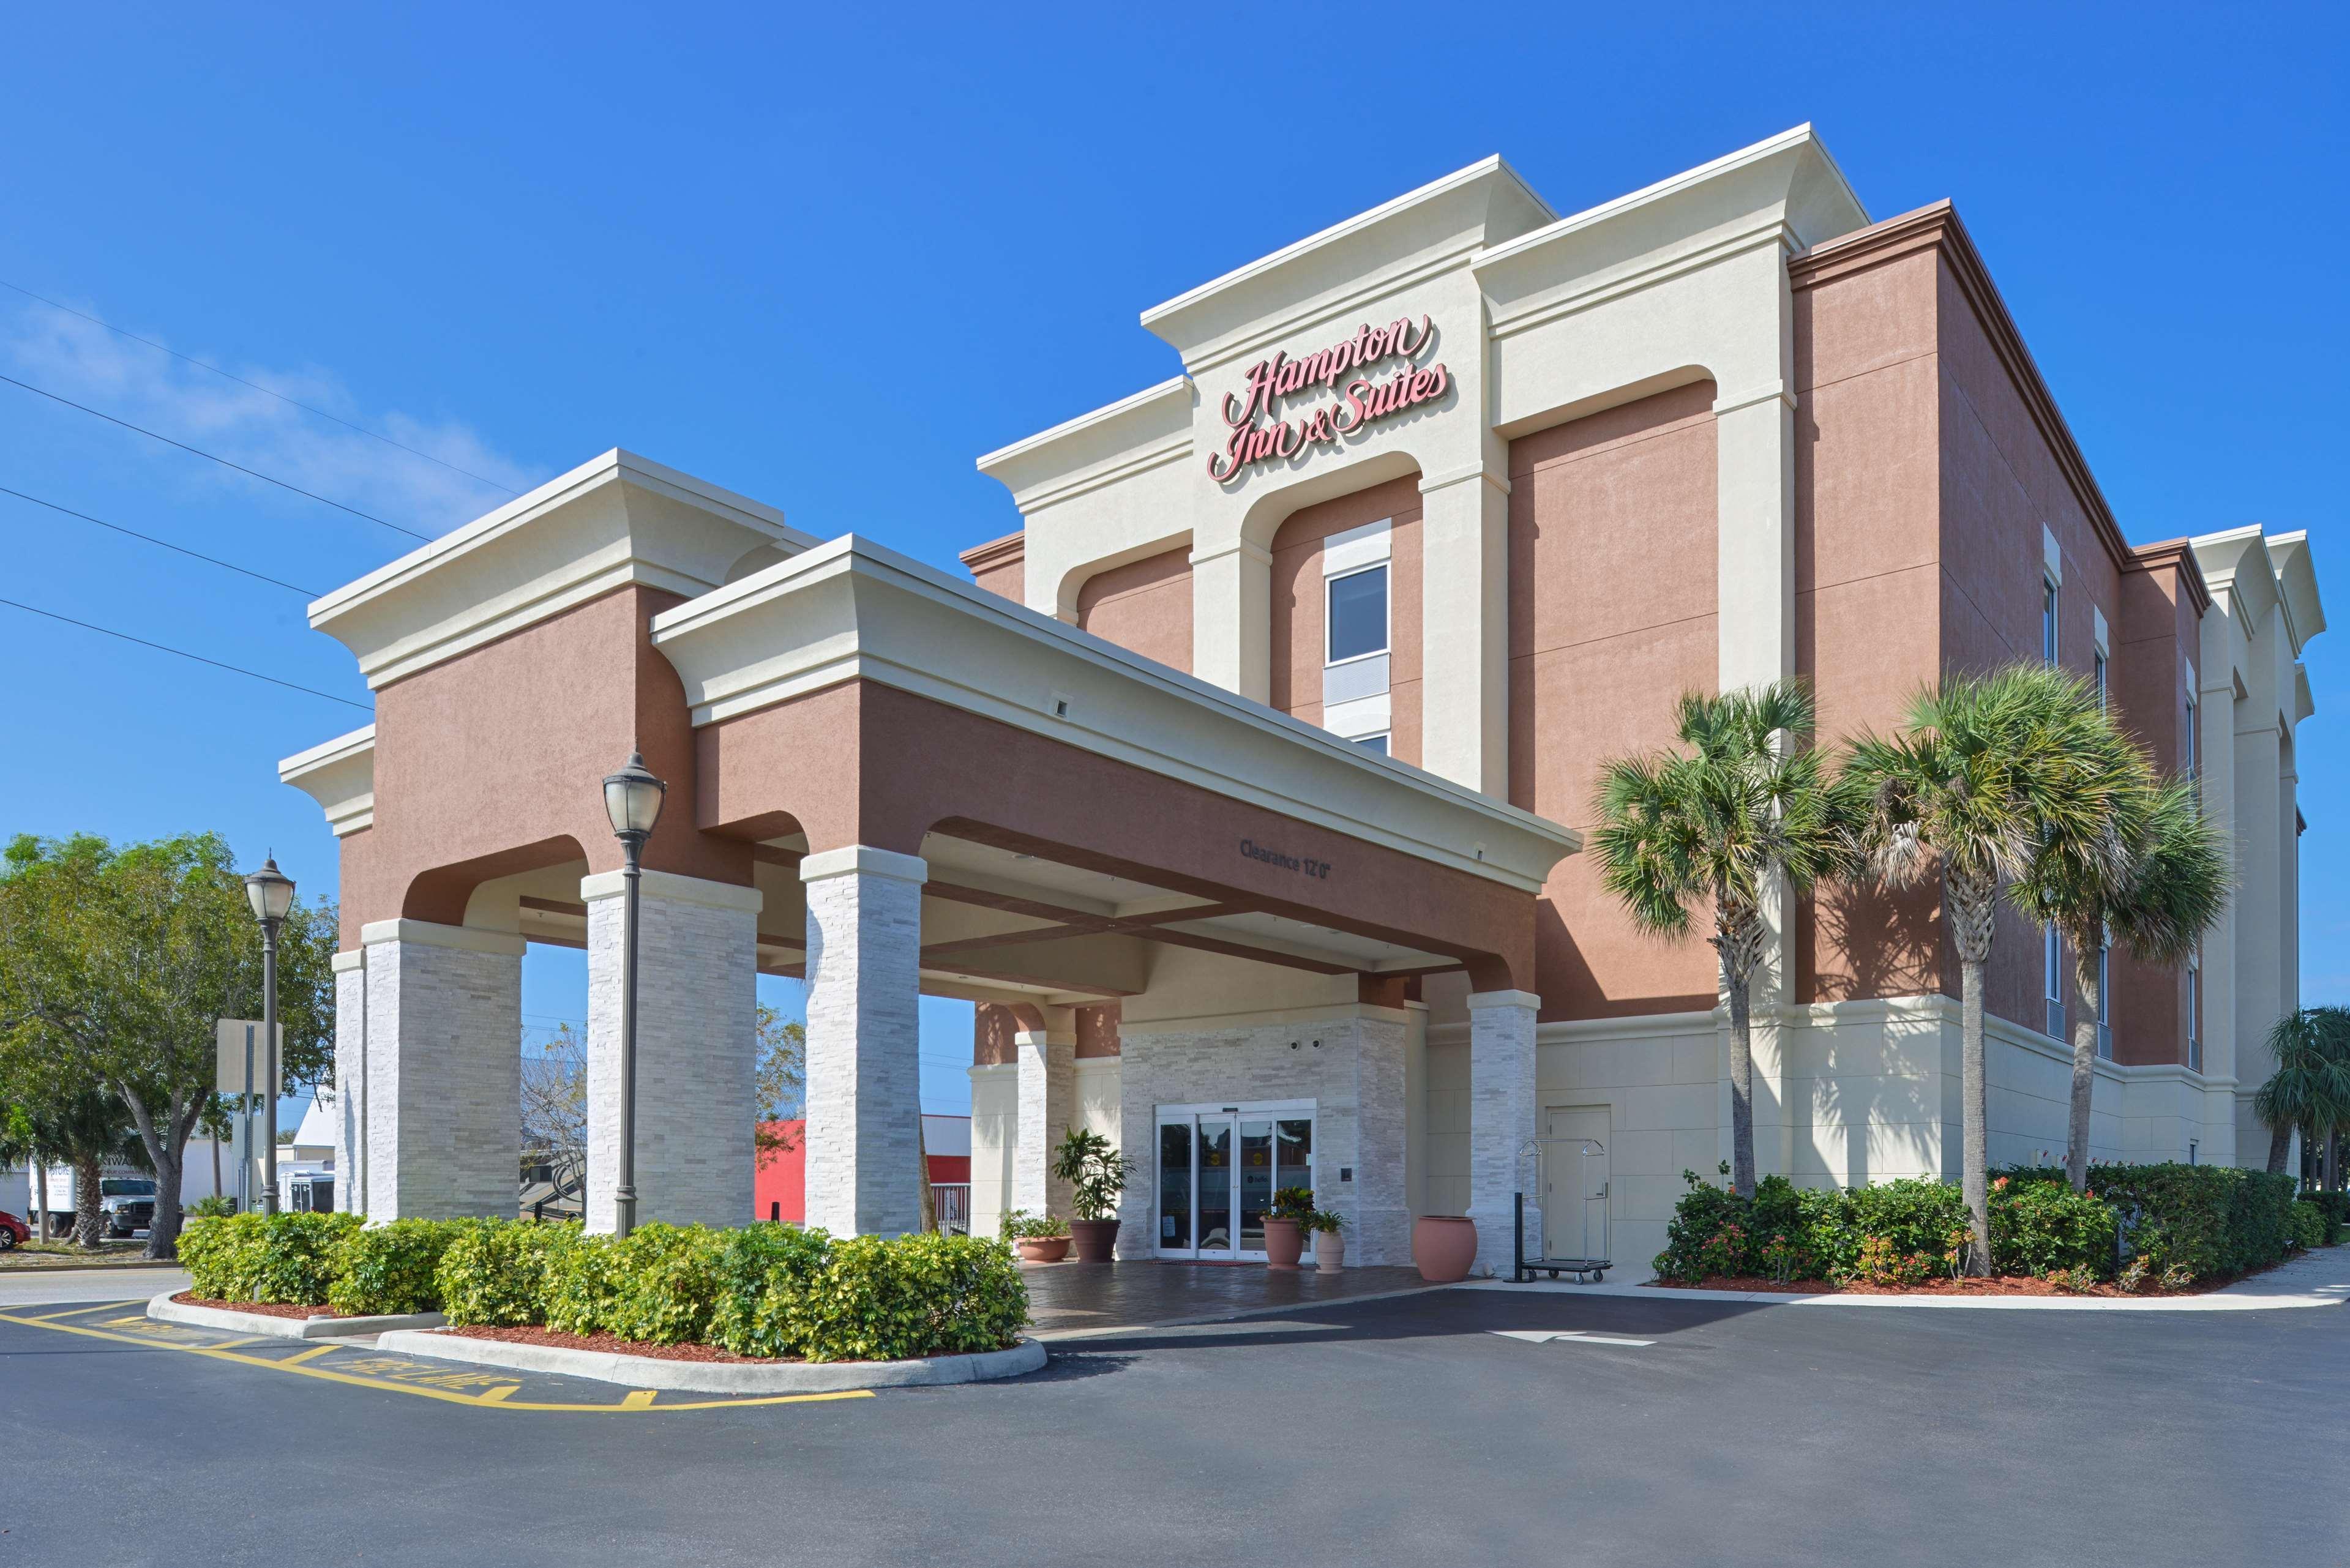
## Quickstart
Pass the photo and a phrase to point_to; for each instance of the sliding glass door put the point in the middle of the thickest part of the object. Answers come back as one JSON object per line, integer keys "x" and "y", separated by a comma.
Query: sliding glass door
{"x": 1218, "y": 1168}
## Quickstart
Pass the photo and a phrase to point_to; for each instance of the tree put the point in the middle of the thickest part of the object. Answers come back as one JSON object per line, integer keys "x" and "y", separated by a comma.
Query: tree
{"x": 2310, "y": 1089}
{"x": 779, "y": 1090}
{"x": 121, "y": 962}
{"x": 2152, "y": 878}
{"x": 1746, "y": 813}
{"x": 1966, "y": 792}
{"x": 555, "y": 1110}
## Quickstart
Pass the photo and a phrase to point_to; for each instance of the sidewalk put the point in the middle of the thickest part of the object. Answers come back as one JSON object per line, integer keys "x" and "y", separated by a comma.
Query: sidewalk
{"x": 32, "y": 1287}
{"x": 2316, "y": 1279}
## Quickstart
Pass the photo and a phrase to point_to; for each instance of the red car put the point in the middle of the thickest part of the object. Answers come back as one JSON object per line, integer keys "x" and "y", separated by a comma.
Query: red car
{"x": 13, "y": 1230}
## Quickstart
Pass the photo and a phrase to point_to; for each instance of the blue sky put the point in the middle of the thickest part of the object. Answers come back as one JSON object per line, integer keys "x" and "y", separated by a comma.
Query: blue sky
{"x": 827, "y": 264}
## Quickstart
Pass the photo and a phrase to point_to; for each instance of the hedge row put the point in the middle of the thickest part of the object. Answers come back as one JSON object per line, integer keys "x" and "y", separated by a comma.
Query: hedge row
{"x": 2168, "y": 1224}
{"x": 766, "y": 1291}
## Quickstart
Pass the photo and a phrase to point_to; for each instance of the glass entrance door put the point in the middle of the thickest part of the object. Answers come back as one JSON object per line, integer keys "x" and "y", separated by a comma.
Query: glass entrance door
{"x": 1218, "y": 1171}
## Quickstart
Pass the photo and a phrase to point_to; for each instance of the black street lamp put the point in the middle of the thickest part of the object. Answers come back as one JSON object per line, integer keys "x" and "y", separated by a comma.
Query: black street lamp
{"x": 632, "y": 799}
{"x": 271, "y": 893}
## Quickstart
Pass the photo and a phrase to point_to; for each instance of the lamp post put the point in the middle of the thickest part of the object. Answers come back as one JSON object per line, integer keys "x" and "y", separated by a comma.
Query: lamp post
{"x": 632, "y": 799}
{"x": 271, "y": 893}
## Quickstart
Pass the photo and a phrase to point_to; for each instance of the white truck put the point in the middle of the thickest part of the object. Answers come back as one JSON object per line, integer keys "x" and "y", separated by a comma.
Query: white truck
{"x": 126, "y": 1194}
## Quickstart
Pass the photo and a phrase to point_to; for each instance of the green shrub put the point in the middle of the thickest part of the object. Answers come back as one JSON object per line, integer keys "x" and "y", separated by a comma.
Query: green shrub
{"x": 211, "y": 1207}
{"x": 499, "y": 1273}
{"x": 580, "y": 1286}
{"x": 297, "y": 1256}
{"x": 767, "y": 1275}
{"x": 391, "y": 1267}
{"x": 278, "y": 1257}
{"x": 890, "y": 1299}
{"x": 664, "y": 1284}
{"x": 2308, "y": 1224}
{"x": 1914, "y": 1216}
{"x": 2044, "y": 1227}
{"x": 222, "y": 1253}
{"x": 2336, "y": 1208}
{"x": 1693, "y": 1241}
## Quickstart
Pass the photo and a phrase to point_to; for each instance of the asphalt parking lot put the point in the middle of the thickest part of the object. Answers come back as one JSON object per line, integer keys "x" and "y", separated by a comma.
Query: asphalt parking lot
{"x": 1413, "y": 1430}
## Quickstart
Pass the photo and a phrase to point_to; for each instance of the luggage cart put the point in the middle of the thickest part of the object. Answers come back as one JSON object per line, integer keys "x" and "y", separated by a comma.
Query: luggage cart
{"x": 1594, "y": 1267}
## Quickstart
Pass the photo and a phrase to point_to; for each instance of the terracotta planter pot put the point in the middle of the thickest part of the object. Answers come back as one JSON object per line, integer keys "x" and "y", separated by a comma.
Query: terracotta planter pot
{"x": 1284, "y": 1242}
{"x": 1042, "y": 1249}
{"x": 1444, "y": 1247}
{"x": 1329, "y": 1252}
{"x": 1096, "y": 1241}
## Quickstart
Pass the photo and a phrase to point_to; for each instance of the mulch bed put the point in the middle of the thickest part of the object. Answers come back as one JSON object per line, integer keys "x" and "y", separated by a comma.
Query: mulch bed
{"x": 266, "y": 1309}
{"x": 613, "y": 1343}
{"x": 2000, "y": 1285}
{"x": 609, "y": 1342}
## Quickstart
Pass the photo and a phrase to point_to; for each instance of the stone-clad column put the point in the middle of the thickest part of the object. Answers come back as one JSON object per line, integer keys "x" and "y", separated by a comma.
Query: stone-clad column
{"x": 443, "y": 1088}
{"x": 1048, "y": 1077}
{"x": 697, "y": 1047}
{"x": 864, "y": 1078}
{"x": 350, "y": 1082}
{"x": 1500, "y": 1120}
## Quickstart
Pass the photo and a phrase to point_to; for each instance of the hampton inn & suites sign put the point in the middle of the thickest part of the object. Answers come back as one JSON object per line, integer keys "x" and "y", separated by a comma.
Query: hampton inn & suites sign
{"x": 1370, "y": 393}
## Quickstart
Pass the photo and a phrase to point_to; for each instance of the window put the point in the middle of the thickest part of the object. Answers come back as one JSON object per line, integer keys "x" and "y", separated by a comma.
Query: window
{"x": 2048, "y": 620}
{"x": 2106, "y": 1001}
{"x": 2195, "y": 1013}
{"x": 2194, "y": 743}
{"x": 2053, "y": 980}
{"x": 1358, "y": 614}
{"x": 1373, "y": 744}
{"x": 2098, "y": 674}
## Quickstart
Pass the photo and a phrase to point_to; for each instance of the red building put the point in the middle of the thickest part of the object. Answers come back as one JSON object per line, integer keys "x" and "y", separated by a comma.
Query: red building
{"x": 780, "y": 1187}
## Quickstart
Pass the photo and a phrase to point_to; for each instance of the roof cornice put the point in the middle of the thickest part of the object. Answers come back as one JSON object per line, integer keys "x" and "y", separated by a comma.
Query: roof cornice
{"x": 1938, "y": 228}
{"x": 2179, "y": 555}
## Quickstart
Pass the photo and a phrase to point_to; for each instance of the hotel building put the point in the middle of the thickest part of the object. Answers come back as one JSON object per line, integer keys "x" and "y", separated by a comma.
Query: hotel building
{"x": 1243, "y": 786}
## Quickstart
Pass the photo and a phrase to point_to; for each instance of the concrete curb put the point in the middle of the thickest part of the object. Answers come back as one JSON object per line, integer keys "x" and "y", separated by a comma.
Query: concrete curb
{"x": 163, "y": 1309}
{"x": 2313, "y": 1280}
{"x": 718, "y": 1376}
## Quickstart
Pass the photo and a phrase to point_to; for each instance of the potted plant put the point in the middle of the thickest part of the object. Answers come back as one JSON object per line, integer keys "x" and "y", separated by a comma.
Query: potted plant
{"x": 1037, "y": 1238}
{"x": 1284, "y": 1227}
{"x": 1097, "y": 1176}
{"x": 1329, "y": 1241}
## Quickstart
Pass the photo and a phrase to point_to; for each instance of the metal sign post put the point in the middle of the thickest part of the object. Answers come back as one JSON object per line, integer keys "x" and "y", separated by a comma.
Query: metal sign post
{"x": 240, "y": 1068}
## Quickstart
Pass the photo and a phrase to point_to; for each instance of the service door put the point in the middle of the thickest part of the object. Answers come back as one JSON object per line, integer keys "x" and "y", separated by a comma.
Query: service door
{"x": 1574, "y": 1181}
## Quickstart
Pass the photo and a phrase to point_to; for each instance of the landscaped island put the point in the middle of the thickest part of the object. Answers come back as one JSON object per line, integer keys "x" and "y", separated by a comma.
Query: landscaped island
{"x": 2139, "y": 1228}
{"x": 766, "y": 1291}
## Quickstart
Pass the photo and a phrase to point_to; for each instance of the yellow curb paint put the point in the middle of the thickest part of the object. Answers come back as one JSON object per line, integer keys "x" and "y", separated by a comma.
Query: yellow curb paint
{"x": 496, "y": 1399}
{"x": 638, "y": 1400}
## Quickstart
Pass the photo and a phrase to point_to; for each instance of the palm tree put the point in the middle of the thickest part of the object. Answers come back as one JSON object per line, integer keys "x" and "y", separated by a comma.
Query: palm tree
{"x": 2153, "y": 879}
{"x": 1984, "y": 765}
{"x": 2310, "y": 1089}
{"x": 1746, "y": 812}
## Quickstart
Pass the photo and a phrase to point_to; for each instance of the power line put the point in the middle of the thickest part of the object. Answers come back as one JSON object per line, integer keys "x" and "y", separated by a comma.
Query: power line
{"x": 166, "y": 544}
{"x": 215, "y": 457}
{"x": 215, "y": 369}
{"x": 183, "y": 653}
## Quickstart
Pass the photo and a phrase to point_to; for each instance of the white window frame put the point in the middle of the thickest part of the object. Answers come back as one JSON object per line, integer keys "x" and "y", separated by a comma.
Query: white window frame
{"x": 1386, "y": 615}
{"x": 1382, "y": 736}
{"x": 2195, "y": 1011}
{"x": 2105, "y": 1000}
{"x": 2052, "y": 620}
{"x": 2052, "y": 967}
